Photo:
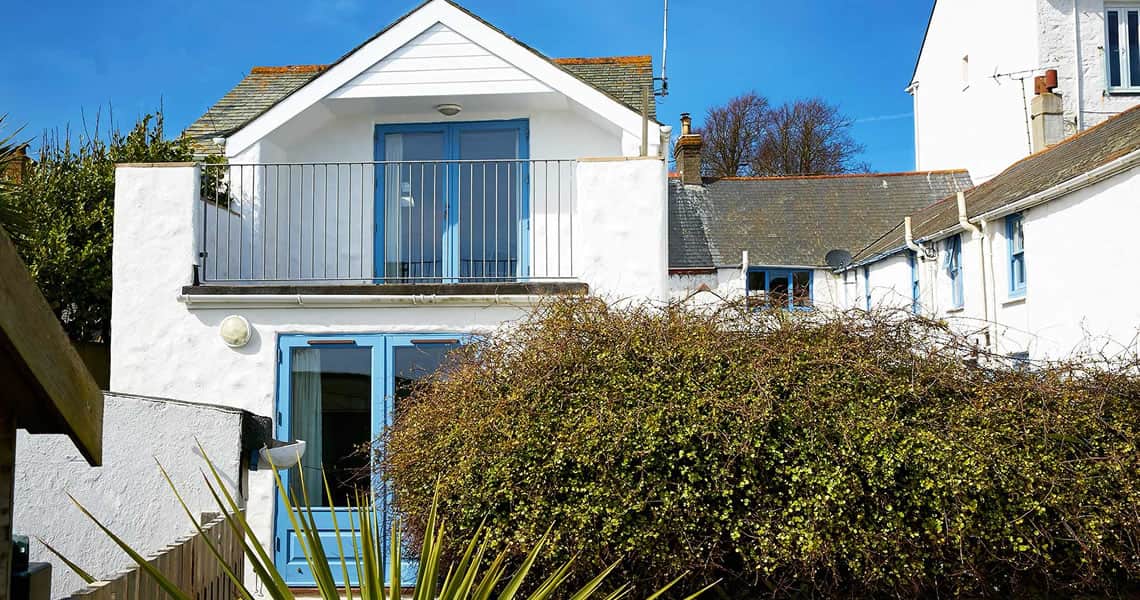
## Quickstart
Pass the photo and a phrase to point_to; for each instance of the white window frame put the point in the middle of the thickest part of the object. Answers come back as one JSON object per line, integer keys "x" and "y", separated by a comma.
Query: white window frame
{"x": 1127, "y": 86}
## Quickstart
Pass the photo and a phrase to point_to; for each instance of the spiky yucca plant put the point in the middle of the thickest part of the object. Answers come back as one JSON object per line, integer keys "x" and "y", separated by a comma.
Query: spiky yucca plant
{"x": 474, "y": 576}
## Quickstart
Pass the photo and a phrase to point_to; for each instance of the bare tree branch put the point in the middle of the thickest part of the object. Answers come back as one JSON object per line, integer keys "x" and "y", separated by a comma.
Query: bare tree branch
{"x": 732, "y": 135}
{"x": 807, "y": 137}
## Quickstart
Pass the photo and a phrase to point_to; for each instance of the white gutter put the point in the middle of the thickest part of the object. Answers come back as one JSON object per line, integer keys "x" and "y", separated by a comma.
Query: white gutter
{"x": 352, "y": 300}
{"x": 965, "y": 224}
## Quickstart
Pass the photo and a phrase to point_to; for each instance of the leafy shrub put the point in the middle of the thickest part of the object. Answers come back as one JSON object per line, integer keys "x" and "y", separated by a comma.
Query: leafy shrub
{"x": 67, "y": 197}
{"x": 793, "y": 456}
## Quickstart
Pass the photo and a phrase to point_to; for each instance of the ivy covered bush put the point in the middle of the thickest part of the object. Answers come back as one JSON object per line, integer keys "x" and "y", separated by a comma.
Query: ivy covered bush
{"x": 842, "y": 456}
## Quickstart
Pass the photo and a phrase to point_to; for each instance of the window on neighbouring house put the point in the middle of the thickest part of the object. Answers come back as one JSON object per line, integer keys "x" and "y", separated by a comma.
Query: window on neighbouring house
{"x": 1015, "y": 238}
{"x": 1122, "y": 47}
{"x": 780, "y": 288}
{"x": 953, "y": 261}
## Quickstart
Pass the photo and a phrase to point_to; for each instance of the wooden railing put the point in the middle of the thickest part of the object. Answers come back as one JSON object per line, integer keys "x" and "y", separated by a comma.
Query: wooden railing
{"x": 188, "y": 563}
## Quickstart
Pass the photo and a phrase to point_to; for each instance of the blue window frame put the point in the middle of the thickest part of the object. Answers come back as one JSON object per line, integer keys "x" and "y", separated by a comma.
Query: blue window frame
{"x": 915, "y": 286}
{"x": 867, "y": 286}
{"x": 789, "y": 289}
{"x": 365, "y": 376}
{"x": 952, "y": 260}
{"x": 1122, "y": 51}
{"x": 452, "y": 201}
{"x": 1015, "y": 238}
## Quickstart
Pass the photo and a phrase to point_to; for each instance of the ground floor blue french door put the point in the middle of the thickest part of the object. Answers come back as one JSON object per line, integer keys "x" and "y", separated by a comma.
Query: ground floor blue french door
{"x": 339, "y": 393}
{"x": 451, "y": 201}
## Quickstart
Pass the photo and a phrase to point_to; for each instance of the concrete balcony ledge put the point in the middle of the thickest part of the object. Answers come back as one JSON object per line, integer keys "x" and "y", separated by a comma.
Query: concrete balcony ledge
{"x": 318, "y": 295}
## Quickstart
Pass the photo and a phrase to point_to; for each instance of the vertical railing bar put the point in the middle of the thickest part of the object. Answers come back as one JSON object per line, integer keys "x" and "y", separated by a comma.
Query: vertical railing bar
{"x": 558, "y": 240}
{"x": 325, "y": 221}
{"x": 470, "y": 221}
{"x": 301, "y": 224}
{"x": 546, "y": 218}
{"x": 532, "y": 209}
{"x": 276, "y": 219}
{"x": 241, "y": 222}
{"x": 337, "y": 238}
{"x": 423, "y": 173}
{"x": 289, "y": 225}
{"x": 573, "y": 209}
{"x": 436, "y": 229}
{"x": 483, "y": 267}
{"x": 313, "y": 224}
{"x": 362, "y": 220}
{"x": 497, "y": 242}
{"x": 217, "y": 224}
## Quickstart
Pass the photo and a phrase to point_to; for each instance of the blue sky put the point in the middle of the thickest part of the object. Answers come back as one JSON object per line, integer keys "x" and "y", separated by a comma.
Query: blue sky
{"x": 79, "y": 56}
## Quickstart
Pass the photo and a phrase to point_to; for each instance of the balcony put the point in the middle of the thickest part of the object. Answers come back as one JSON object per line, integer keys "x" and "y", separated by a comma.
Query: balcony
{"x": 428, "y": 224}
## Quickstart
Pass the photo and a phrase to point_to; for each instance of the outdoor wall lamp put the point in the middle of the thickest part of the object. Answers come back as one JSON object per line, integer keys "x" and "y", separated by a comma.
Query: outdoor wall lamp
{"x": 235, "y": 331}
{"x": 448, "y": 110}
{"x": 281, "y": 455}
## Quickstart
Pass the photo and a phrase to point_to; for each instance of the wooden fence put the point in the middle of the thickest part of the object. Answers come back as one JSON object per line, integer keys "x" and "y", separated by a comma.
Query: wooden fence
{"x": 188, "y": 563}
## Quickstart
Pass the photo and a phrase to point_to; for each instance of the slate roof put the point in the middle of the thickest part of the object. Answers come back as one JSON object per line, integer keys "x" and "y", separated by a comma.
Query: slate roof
{"x": 1036, "y": 173}
{"x": 253, "y": 95}
{"x": 793, "y": 221}
{"x": 622, "y": 77}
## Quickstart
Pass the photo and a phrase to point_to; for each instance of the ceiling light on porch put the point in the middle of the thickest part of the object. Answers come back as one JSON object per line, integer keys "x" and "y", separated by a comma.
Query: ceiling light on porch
{"x": 448, "y": 110}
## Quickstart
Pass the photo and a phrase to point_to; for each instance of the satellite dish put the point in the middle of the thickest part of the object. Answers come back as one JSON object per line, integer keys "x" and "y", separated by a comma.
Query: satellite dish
{"x": 837, "y": 259}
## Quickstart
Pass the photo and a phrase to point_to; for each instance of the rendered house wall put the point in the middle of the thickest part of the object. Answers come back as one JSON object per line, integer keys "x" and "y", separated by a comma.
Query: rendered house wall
{"x": 963, "y": 116}
{"x": 128, "y": 492}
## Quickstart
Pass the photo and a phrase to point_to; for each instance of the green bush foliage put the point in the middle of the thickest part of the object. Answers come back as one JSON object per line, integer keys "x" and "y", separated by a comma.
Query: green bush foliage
{"x": 66, "y": 200}
{"x": 837, "y": 456}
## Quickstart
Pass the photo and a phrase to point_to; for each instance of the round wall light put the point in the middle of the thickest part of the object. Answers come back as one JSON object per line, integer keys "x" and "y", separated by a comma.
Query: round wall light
{"x": 235, "y": 331}
{"x": 448, "y": 110}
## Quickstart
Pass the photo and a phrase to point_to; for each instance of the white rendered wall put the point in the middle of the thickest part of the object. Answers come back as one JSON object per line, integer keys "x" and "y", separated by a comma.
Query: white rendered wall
{"x": 164, "y": 346}
{"x": 127, "y": 493}
{"x": 621, "y": 243}
{"x": 1081, "y": 67}
{"x": 1079, "y": 249}
{"x": 728, "y": 283}
{"x": 963, "y": 116}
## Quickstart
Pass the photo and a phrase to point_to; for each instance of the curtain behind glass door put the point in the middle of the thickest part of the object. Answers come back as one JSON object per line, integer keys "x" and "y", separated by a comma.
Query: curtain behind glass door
{"x": 415, "y": 206}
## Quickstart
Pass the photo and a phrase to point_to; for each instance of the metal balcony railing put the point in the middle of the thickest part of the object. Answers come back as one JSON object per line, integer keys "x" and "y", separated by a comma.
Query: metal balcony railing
{"x": 387, "y": 222}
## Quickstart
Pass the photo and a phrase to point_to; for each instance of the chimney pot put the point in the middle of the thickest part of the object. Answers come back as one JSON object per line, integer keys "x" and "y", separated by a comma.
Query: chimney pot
{"x": 686, "y": 124}
{"x": 1051, "y": 79}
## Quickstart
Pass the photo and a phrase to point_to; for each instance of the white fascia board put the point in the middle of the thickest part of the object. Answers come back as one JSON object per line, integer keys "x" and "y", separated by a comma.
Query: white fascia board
{"x": 437, "y": 11}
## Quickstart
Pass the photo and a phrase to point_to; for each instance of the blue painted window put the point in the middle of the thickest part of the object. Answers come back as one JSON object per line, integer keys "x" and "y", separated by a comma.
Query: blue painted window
{"x": 952, "y": 260}
{"x": 1122, "y": 34}
{"x": 452, "y": 201}
{"x": 1015, "y": 237}
{"x": 790, "y": 289}
{"x": 867, "y": 286}
{"x": 915, "y": 288}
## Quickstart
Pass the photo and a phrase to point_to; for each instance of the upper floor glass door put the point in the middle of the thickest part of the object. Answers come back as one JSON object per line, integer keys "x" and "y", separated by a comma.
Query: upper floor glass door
{"x": 452, "y": 201}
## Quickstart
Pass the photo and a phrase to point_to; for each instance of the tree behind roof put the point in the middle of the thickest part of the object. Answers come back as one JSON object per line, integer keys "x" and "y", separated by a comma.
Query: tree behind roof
{"x": 67, "y": 197}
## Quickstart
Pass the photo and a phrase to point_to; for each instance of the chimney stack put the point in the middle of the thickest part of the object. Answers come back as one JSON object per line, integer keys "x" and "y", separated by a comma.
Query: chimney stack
{"x": 687, "y": 152}
{"x": 1048, "y": 112}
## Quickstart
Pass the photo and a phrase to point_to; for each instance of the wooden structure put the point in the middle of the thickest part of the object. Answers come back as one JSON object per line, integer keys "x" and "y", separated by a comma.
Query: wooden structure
{"x": 46, "y": 387}
{"x": 188, "y": 563}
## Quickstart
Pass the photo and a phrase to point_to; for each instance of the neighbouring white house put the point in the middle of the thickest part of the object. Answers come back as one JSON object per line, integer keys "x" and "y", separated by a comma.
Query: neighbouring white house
{"x": 974, "y": 80}
{"x": 350, "y": 224}
{"x": 777, "y": 240}
{"x": 1032, "y": 263}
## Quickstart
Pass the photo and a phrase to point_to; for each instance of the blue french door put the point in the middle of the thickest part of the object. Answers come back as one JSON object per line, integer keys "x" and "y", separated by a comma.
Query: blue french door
{"x": 452, "y": 201}
{"x": 338, "y": 393}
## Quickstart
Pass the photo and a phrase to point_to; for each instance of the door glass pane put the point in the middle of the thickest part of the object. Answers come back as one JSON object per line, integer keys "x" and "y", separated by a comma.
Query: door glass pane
{"x": 801, "y": 288}
{"x": 331, "y": 402}
{"x": 415, "y": 204}
{"x": 489, "y": 204}
{"x": 778, "y": 291}
{"x": 1113, "y": 48}
{"x": 1134, "y": 48}
{"x": 413, "y": 363}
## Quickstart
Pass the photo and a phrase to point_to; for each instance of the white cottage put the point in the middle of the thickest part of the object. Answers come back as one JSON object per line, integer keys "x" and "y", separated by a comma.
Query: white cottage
{"x": 973, "y": 83}
{"x": 1032, "y": 263}
{"x": 366, "y": 216}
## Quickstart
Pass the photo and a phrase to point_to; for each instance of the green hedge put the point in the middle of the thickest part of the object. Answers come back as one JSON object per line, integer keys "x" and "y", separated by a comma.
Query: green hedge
{"x": 788, "y": 456}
